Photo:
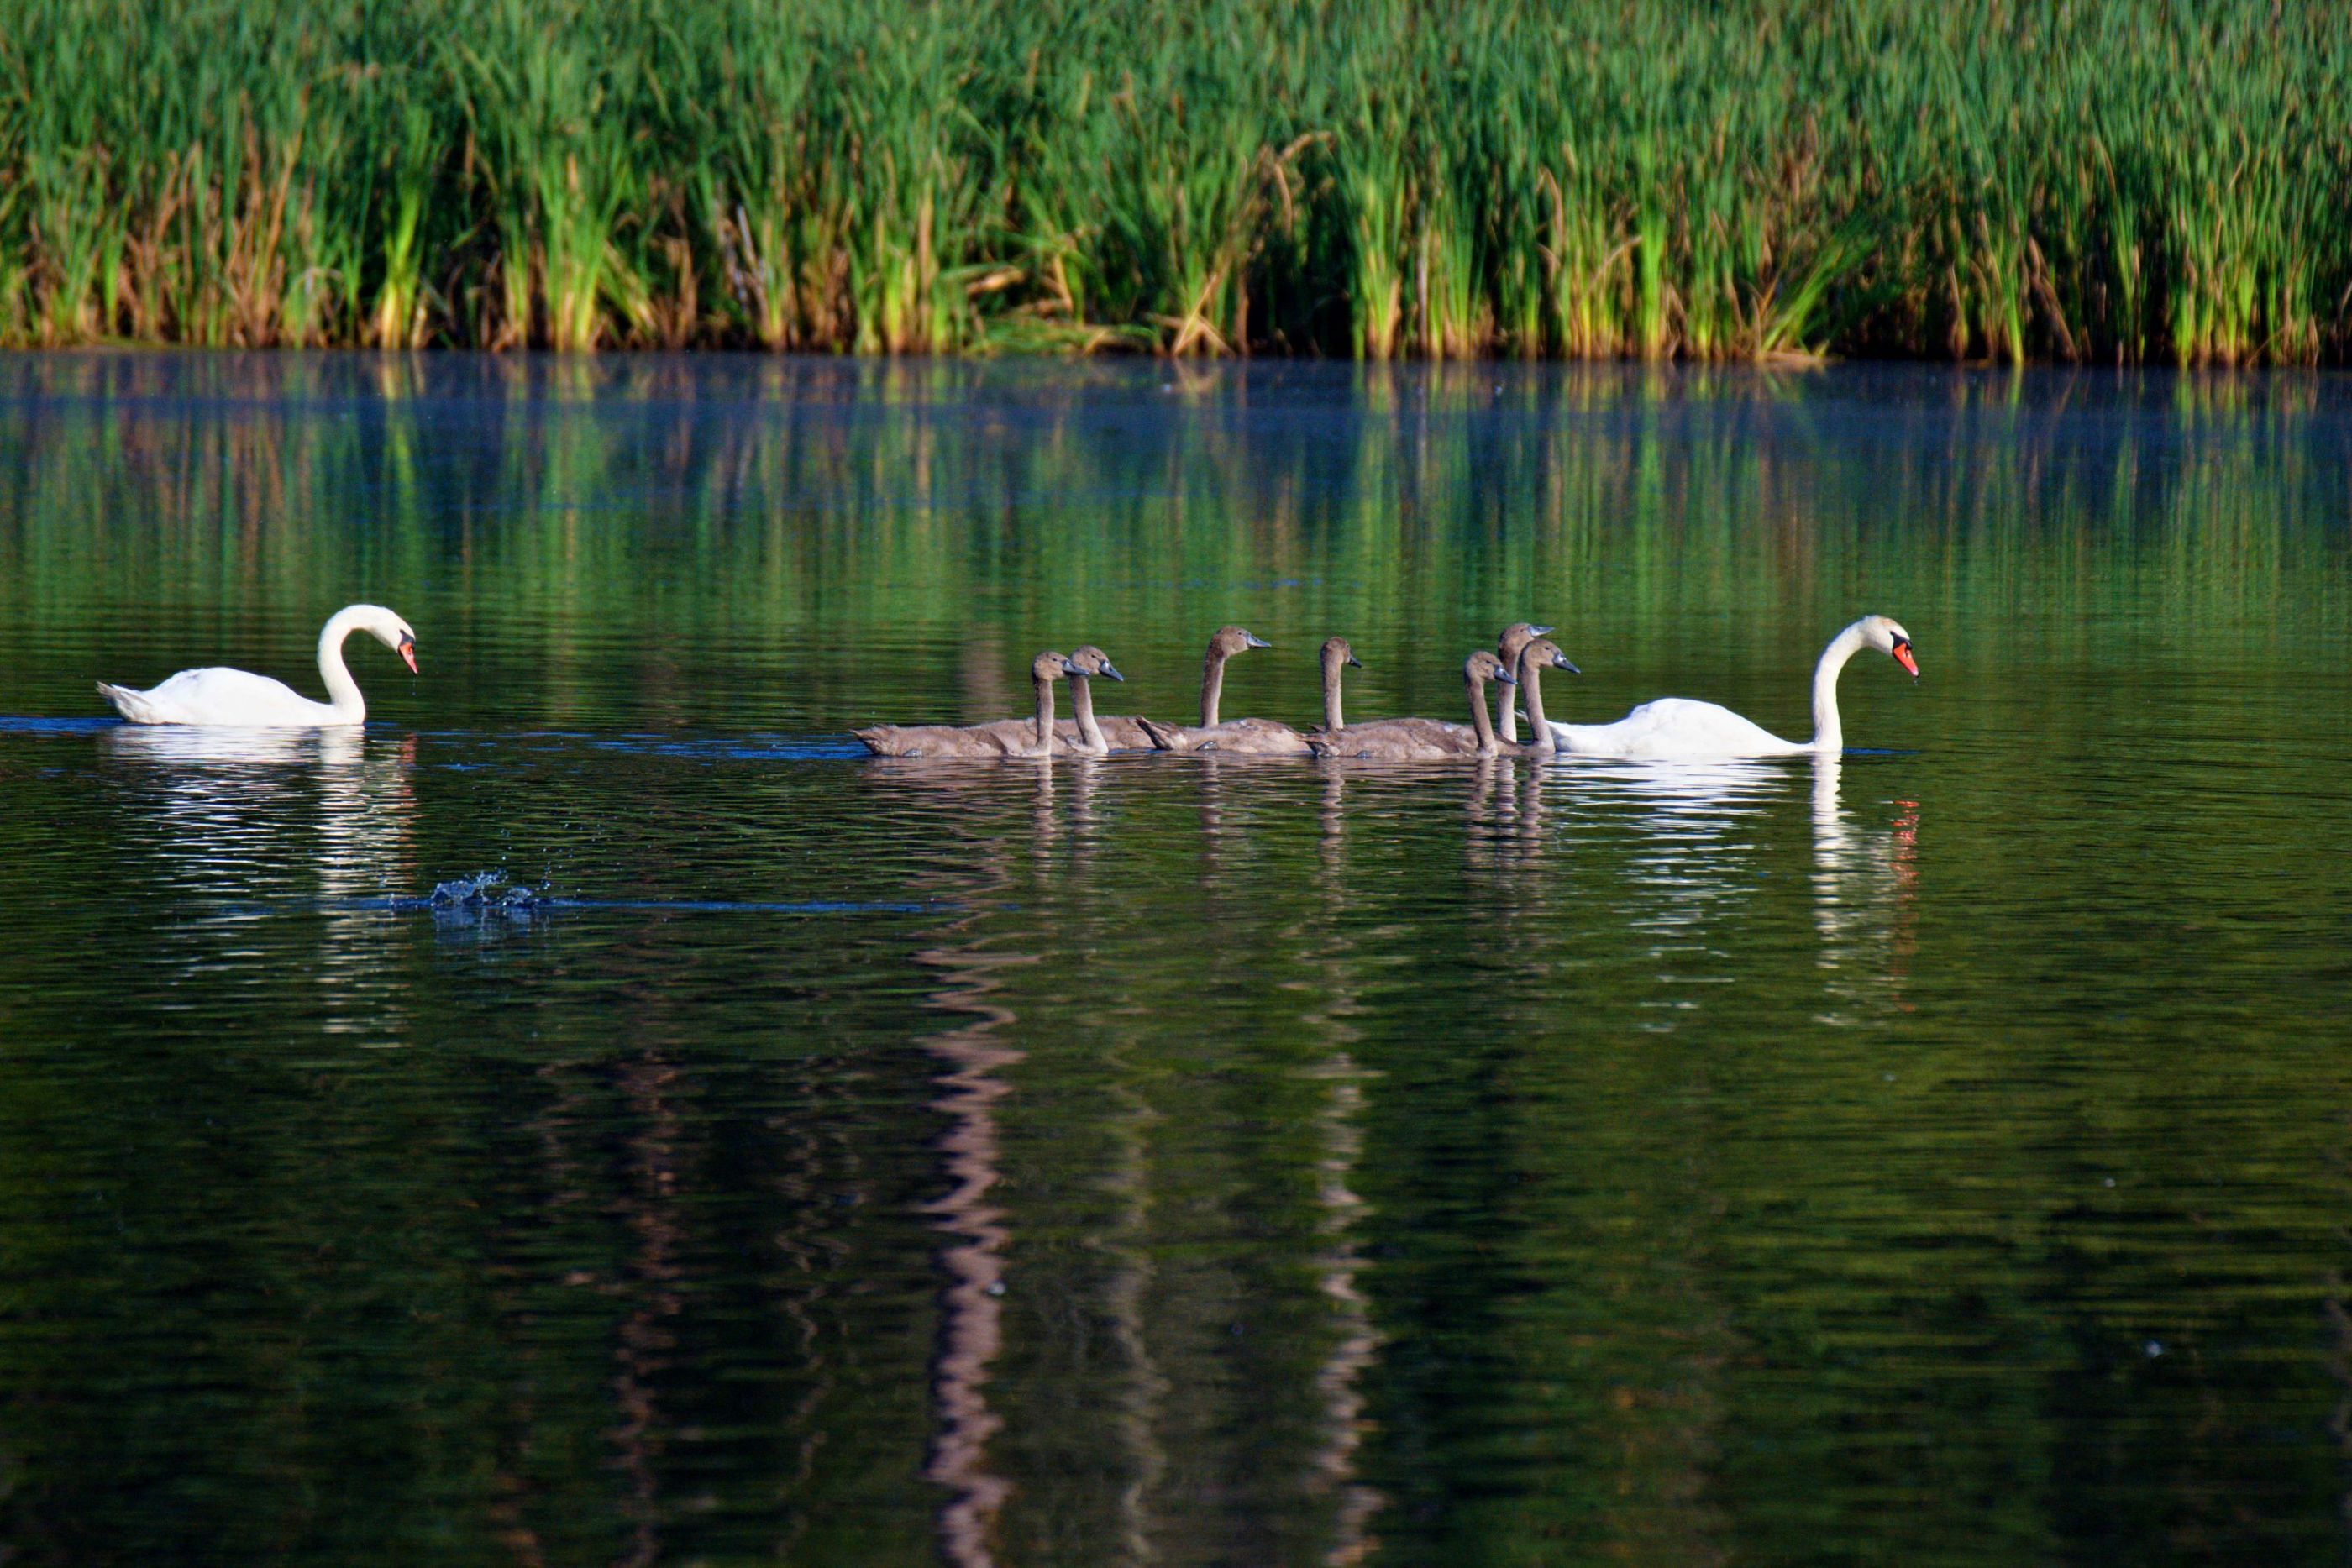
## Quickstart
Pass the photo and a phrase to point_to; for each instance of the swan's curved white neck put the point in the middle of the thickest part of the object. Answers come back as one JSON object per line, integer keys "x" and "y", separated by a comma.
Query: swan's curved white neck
{"x": 343, "y": 691}
{"x": 1829, "y": 734}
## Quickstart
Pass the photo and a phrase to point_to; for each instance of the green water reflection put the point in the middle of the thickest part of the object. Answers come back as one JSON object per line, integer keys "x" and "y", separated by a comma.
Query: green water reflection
{"x": 1937, "y": 1155}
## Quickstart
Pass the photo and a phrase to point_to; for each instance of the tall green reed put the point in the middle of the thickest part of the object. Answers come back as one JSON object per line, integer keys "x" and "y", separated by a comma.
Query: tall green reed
{"x": 2133, "y": 182}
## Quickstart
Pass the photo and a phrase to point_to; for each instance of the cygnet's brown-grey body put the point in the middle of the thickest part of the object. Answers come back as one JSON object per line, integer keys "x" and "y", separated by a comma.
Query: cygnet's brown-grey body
{"x": 1088, "y": 738}
{"x": 1107, "y": 733}
{"x": 1000, "y": 737}
{"x": 1119, "y": 732}
{"x": 1427, "y": 739}
{"x": 1337, "y": 657}
{"x": 1244, "y": 736}
{"x": 1083, "y": 735}
{"x": 1508, "y": 647}
{"x": 1534, "y": 659}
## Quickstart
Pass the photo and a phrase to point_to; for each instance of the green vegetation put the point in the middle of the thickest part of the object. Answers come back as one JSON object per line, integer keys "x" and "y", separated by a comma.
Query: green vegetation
{"x": 2140, "y": 180}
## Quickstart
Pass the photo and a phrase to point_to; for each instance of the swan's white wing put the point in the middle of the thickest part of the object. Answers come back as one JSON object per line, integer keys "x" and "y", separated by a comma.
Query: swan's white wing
{"x": 220, "y": 696}
{"x": 1674, "y": 727}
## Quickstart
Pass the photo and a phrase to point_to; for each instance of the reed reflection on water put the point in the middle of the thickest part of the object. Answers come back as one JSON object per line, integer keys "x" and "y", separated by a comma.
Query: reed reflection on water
{"x": 1937, "y": 1151}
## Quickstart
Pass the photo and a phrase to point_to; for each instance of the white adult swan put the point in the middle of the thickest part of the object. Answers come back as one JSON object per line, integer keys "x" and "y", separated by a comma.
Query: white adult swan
{"x": 224, "y": 696}
{"x": 1677, "y": 726}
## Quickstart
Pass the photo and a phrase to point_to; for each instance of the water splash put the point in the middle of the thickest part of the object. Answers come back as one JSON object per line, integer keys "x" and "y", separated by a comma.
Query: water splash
{"x": 486, "y": 894}
{"x": 495, "y": 895}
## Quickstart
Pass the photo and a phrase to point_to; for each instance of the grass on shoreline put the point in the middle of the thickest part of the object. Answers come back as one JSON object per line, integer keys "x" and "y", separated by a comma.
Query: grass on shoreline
{"x": 2138, "y": 181}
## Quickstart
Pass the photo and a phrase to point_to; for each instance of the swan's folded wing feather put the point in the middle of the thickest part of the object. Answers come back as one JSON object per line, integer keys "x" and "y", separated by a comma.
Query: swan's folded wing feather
{"x": 1120, "y": 732}
{"x": 1253, "y": 737}
{"x": 1235, "y": 737}
{"x": 1170, "y": 736}
{"x": 1402, "y": 740}
{"x": 131, "y": 705}
{"x": 1000, "y": 737}
{"x": 226, "y": 696}
{"x": 1674, "y": 727}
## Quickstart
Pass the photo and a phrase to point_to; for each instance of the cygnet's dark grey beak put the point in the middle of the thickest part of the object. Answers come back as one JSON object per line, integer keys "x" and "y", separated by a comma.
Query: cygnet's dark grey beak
{"x": 1507, "y": 678}
{"x": 1251, "y": 639}
{"x": 1561, "y": 661}
{"x": 1110, "y": 670}
{"x": 1545, "y": 631}
{"x": 1355, "y": 661}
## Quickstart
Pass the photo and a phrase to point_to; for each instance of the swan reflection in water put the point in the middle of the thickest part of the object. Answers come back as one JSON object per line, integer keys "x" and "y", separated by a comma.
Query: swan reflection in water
{"x": 322, "y": 817}
{"x": 1865, "y": 895}
{"x": 1694, "y": 829}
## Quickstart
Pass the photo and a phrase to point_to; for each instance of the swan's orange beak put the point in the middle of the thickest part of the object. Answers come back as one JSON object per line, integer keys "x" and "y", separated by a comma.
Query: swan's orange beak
{"x": 1903, "y": 657}
{"x": 408, "y": 651}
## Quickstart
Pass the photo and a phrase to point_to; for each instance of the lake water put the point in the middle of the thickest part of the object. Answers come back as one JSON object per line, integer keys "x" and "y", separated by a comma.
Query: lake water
{"x": 756, "y": 1153}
